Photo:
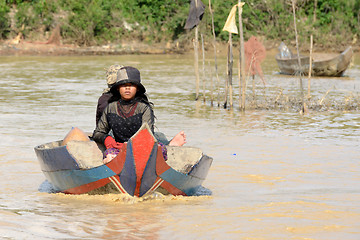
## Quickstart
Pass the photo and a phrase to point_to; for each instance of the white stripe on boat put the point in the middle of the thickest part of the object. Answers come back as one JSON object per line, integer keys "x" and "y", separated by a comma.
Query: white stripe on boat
{"x": 117, "y": 184}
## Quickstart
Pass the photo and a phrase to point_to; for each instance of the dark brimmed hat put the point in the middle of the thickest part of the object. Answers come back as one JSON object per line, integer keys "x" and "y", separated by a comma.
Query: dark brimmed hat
{"x": 128, "y": 75}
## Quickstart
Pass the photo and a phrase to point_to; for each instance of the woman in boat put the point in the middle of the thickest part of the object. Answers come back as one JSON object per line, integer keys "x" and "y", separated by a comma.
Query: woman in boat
{"x": 104, "y": 98}
{"x": 127, "y": 110}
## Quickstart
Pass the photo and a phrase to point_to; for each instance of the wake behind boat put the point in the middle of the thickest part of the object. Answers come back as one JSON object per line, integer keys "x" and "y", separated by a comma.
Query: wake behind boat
{"x": 138, "y": 170}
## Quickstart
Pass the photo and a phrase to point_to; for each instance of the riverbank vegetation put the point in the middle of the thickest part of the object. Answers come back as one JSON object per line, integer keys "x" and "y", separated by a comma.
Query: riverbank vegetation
{"x": 333, "y": 23}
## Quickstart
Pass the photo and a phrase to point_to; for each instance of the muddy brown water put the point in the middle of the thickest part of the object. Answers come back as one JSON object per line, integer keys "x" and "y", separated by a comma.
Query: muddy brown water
{"x": 275, "y": 175}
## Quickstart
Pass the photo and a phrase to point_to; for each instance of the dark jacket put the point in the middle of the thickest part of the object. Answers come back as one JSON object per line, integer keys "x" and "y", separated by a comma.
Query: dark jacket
{"x": 102, "y": 104}
{"x": 123, "y": 124}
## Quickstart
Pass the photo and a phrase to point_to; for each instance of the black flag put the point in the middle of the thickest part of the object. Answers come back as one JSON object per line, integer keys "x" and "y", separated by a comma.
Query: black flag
{"x": 195, "y": 14}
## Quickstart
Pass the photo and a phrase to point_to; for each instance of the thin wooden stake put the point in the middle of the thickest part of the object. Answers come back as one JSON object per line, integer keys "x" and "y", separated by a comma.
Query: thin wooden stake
{"x": 203, "y": 62}
{"x": 323, "y": 98}
{"x": 227, "y": 73}
{"x": 253, "y": 76}
{"x": 310, "y": 65}
{"x": 214, "y": 45}
{"x": 212, "y": 86}
{"x": 196, "y": 60}
{"x": 230, "y": 70}
{"x": 242, "y": 81}
{"x": 311, "y": 49}
{"x": 298, "y": 56}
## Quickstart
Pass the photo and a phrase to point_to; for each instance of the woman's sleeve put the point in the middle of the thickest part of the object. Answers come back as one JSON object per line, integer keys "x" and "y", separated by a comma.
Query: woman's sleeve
{"x": 148, "y": 116}
{"x": 102, "y": 104}
{"x": 102, "y": 128}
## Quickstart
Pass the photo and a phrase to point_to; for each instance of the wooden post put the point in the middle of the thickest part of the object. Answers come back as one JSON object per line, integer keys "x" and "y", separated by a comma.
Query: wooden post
{"x": 230, "y": 70}
{"x": 310, "y": 65}
{"x": 311, "y": 49}
{"x": 214, "y": 45}
{"x": 298, "y": 56}
{"x": 196, "y": 60}
{"x": 212, "y": 85}
{"x": 227, "y": 73}
{"x": 253, "y": 76}
{"x": 203, "y": 62}
{"x": 242, "y": 81}
{"x": 253, "y": 87}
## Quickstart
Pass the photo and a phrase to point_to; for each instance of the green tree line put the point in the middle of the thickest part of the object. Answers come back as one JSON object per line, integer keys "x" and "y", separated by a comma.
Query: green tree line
{"x": 96, "y": 22}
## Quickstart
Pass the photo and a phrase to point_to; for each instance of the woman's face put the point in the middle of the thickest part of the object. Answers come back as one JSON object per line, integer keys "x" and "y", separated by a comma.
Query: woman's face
{"x": 127, "y": 91}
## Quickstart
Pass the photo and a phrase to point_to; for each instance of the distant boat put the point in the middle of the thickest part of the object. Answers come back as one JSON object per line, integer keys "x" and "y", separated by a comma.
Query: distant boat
{"x": 138, "y": 170}
{"x": 330, "y": 65}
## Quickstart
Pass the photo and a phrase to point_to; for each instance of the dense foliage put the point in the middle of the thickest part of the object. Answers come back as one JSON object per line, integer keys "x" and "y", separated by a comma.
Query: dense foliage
{"x": 95, "y": 22}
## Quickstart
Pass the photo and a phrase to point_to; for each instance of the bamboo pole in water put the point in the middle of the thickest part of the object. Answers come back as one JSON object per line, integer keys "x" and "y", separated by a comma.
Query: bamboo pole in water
{"x": 212, "y": 85}
{"x": 311, "y": 49}
{"x": 203, "y": 63}
{"x": 196, "y": 62}
{"x": 323, "y": 98}
{"x": 214, "y": 45}
{"x": 253, "y": 76}
{"x": 310, "y": 65}
{"x": 298, "y": 56}
{"x": 242, "y": 81}
{"x": 196, "y": 59}
{"x": 227, "y": 73}
{"x": 230, "y": 69}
